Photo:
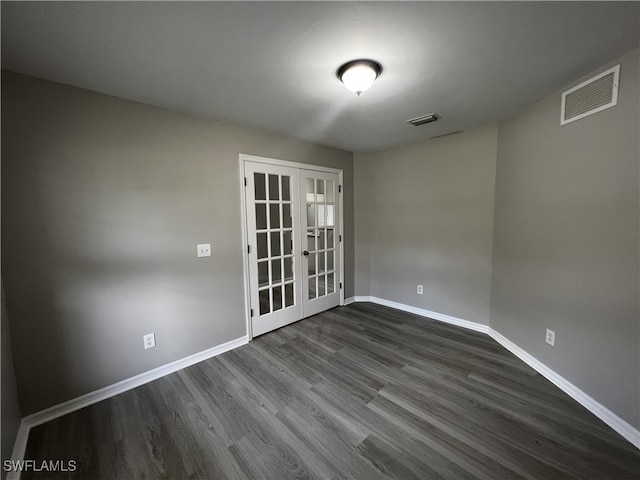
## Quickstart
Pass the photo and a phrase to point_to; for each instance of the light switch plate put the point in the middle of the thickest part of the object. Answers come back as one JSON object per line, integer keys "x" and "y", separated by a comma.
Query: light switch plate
{"x": 204, "y": 250}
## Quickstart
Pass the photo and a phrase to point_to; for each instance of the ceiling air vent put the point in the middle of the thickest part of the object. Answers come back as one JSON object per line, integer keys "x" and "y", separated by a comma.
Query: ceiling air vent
{"x": 594, "y": 95}
{"x": 432, "y": 117}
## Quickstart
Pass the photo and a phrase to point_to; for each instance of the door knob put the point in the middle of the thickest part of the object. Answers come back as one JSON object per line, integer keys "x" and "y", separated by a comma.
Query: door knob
{"x": 305, "y": 253}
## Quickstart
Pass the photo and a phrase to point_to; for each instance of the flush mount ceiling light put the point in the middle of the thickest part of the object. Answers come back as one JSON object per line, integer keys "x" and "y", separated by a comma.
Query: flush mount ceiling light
{"x": 359, "y": 75}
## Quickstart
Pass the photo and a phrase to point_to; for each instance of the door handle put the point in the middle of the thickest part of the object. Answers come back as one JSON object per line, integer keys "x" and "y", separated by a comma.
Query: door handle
{"x": 305, "y": 253}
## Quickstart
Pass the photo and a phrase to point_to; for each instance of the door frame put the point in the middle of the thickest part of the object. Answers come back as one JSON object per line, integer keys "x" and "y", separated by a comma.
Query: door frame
{"x": 245, "y": 235}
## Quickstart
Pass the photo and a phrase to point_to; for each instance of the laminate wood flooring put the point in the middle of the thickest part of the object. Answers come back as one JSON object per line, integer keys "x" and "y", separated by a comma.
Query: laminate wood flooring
{"x": 357, "y": 392}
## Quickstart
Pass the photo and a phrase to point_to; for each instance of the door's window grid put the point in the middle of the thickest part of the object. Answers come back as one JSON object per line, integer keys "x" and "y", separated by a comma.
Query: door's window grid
{"x": 274, "y": 240}
{"x": 320, "y": 207}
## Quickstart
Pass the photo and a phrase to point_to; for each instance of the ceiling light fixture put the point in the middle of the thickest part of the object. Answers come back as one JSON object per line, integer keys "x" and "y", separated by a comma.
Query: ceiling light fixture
{"x": 359, "y": 75}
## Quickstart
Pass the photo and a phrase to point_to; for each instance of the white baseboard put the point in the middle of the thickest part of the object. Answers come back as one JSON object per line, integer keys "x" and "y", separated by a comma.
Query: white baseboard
{"x": 349, "y": 301}
{"x": 595, "y": 407}
{"x": 362, "y": 299}
{"x": 625, "y": 429}
{"x": 90, "y": 398}
{"x": 478, "y": 327}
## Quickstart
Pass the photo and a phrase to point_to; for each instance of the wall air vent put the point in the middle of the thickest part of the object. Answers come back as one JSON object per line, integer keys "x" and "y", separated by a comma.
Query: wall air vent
{"x": 432, "y": 117}
{"x": 594, "y": 95}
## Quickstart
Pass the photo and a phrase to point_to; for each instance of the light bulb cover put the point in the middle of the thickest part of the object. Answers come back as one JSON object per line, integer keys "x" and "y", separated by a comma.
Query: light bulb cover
{"x": 359, "y": 75}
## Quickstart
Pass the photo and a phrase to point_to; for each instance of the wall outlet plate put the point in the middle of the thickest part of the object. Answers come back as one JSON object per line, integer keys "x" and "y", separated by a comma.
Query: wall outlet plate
{"x": 149, "y": 340}
{"x": 204, "y": 250}
{"x": 551, "y": 337}
{"x": 420, "y": 290}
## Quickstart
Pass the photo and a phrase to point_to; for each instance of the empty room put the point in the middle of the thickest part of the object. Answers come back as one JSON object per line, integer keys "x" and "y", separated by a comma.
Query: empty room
{"x": 324, "y": 240}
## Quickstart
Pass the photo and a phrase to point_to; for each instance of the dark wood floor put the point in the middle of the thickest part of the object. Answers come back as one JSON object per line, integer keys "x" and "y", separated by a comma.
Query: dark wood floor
{"x": 358, "y": 392}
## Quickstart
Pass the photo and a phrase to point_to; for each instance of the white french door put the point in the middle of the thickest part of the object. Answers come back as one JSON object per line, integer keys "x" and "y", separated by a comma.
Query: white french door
{"x": 320, "y": 257}
{"x": 294, "y": 248}
{"x": 273, "y": 217}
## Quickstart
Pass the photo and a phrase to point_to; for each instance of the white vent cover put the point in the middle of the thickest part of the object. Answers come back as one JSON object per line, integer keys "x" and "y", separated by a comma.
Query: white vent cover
{"x": 594, "y": 95}
{"x": 431, "y": 117}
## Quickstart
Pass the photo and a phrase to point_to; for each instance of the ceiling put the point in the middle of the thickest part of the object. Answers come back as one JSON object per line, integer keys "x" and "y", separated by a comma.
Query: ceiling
{"x": 272, "y": 65}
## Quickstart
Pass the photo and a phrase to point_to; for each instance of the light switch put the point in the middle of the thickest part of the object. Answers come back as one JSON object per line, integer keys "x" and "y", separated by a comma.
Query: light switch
{"x": 204, "y": 250}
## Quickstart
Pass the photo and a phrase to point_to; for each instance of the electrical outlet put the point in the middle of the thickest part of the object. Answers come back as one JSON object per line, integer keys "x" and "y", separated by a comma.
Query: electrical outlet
{"x": 551, "y": 337}
{"x": 419, "y": 289}
{"x": 204, "y": 250}
{"x": 149, "y": 340}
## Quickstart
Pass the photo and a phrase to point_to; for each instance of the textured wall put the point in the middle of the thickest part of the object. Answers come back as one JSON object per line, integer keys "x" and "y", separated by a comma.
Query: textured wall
{"x": 424, "y": 215}
{"x": 566, "y": 245}
{"x": 103, "y": 203}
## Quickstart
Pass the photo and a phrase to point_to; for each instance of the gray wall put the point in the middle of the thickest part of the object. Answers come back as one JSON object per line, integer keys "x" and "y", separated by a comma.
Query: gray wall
{"x": 11, "y": 414}
{"x": 103, "y": 203}
{"x": 363, "y": 196}
{"x": 566, "y": 245}
{"x": 424, "y": 215}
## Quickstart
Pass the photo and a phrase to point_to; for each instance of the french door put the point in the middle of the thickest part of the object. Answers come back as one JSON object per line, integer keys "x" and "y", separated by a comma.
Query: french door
{"x": 294, "y": 247}
{"x": 320, "y": 257}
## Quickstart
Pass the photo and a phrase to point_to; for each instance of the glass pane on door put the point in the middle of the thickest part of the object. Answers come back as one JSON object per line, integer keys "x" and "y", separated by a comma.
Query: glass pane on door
{"x": 274, "y": 240}
{"x": 320, "y": 207}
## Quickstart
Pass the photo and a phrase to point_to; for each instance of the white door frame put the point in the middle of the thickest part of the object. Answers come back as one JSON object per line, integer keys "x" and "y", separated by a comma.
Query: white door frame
{"x": 245, "y": 236}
